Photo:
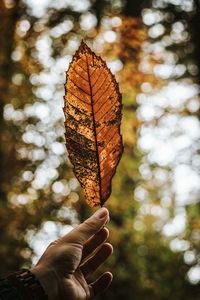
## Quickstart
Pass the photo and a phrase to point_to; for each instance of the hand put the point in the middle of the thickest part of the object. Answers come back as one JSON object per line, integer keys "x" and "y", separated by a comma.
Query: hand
{"x": 61, "y": 269}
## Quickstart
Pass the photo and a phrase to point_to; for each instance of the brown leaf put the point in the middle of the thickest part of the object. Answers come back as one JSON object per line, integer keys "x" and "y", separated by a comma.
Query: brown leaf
{"x": 93, "y": 116}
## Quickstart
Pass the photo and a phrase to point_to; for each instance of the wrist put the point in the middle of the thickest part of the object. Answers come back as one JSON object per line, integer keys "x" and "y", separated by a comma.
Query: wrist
{"x": 48, "y": 280}
{"x": 28, "y": 285}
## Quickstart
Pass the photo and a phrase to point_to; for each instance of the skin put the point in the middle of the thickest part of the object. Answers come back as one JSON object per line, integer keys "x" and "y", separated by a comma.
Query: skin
{"x": 64, "y": 267}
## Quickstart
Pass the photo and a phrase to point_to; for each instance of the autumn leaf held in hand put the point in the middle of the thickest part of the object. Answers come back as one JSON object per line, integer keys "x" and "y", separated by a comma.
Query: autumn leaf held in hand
{"x": 93, "y": 116}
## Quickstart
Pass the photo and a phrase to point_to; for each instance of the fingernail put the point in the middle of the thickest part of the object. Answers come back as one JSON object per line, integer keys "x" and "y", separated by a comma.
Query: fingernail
{"x": 101, "y": 213}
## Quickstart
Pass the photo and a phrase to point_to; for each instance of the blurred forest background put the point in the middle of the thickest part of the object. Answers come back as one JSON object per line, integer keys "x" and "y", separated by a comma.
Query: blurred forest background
{"x": 153, "y": 48}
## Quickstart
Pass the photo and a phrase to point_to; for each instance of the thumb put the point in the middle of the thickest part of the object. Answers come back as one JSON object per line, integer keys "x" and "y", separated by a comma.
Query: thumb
{"x": 85, "y": 230}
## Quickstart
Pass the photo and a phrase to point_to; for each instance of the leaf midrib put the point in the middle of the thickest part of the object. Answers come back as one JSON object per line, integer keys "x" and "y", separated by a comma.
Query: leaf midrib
{"x": 95, "y": 133}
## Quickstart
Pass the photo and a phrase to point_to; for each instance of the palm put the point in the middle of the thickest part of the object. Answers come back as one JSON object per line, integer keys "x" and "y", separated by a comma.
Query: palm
{"x": 74, "y": 286}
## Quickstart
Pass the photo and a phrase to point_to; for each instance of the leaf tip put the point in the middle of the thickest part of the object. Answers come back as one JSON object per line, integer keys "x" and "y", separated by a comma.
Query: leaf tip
{"x": 83, "y": 47}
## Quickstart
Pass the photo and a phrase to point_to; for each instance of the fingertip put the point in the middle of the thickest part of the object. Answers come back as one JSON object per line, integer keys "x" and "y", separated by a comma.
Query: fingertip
{"x": 102, "y": 235}
{"x": 109, "y": 246}
{"x": 105, "y": 232}
{"x": 106, "y": 279}
{"x": 101, "y": 284}
{"x": 109, "y": 276}
{"x": 102, "y": 213}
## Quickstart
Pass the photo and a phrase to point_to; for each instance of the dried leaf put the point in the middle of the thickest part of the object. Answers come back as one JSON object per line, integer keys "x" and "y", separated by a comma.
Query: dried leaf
{"x": 93, "y": 116}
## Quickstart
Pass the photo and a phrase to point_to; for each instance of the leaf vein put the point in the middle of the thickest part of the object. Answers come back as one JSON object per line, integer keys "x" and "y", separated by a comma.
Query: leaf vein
{"x": 97, "y": 77}
{"x": 102, "y": 93}
{"x": 79, "y": 74}
{"x": 101, "y": 85}
{"x": 82, "y": 67}
{"x": 79, "y": 87}
{"x": 68, "y": 91}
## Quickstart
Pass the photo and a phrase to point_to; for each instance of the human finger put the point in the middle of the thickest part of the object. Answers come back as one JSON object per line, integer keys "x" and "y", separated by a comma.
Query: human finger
{"x": 95, "y": 241}
{"x": 94, "y": 262}
{"x": 101, "y": 284}
{"x": 84, "y": 231}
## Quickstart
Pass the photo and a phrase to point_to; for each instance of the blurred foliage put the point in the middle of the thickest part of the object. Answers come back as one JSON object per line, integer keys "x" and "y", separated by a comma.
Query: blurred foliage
{"x": 37, "y": 183}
